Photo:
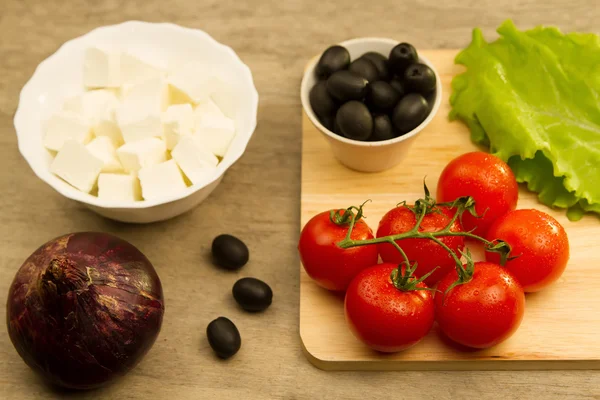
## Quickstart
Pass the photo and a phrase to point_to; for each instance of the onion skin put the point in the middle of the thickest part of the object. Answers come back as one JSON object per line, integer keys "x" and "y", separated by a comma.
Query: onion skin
{"x": 84, "y": 309}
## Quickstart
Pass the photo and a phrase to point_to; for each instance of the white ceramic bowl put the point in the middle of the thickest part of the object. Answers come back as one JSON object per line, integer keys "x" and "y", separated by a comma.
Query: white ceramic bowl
{"x": 367, "y": 156}
{"x": 166, "y": 45}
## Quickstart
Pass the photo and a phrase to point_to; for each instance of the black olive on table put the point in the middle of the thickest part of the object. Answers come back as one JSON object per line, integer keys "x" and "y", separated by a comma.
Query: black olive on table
{"x": 355, "y": 120}
{"x": 399, "y": 86}
{"x": 334, "y": 59}
{"x": 229, "y": 252}
{"x": 410, "y": 111}
{"x": 223, "y": 337}
{"x": 382, "y": 97}
{"x": 380, "y": 62}
{"x": 401, "y": 57}
{"x": 419, "y": 78}
{"x": 252, "y": 294}
{"x": 346, "y": 85}
{"x": 365, "y": 68}
{"x": 321, "y": 101}
{"x": 382, "y": 128}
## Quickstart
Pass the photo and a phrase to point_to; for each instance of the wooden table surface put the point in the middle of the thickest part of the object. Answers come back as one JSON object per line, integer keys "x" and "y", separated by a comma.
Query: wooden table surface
{"x": 258, "y": 200}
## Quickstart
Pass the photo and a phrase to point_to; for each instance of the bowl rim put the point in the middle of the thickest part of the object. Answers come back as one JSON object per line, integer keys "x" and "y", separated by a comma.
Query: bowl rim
{"x": 86, "y": 198}
{"x": 305, "y": 90}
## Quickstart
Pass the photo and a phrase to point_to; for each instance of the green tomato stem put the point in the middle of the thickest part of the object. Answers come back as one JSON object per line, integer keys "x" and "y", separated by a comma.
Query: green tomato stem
{"x": 449, "y": 250}
{"x": 421, "y": 208}
{"x": 401, "y": 250}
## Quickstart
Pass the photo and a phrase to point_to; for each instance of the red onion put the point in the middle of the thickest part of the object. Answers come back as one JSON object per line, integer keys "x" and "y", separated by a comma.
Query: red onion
{"x": 84, "y": 308}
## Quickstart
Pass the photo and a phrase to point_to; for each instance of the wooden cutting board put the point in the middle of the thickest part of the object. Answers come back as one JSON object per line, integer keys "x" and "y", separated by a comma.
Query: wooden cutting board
{"x": 561, "y": 327}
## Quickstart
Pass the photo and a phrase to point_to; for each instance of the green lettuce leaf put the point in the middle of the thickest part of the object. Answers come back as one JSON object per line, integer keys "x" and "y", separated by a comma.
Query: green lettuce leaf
{"x": 533, "y": 97}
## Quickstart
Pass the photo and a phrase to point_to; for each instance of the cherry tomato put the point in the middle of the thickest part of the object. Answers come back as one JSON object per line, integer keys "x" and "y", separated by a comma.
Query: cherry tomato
{"x": 483, "y": 312}
{"x": 427, "y": 254}
{"x": 540, "y": 244}
{"x": 487, "y": 179}
{"x": 384, "y": 317}
{"x": 329, "y": 265}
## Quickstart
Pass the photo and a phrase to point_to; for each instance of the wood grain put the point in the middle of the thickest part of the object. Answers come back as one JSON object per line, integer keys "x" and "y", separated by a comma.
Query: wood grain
{"x": 258, "y": 200}
{"x": 559, "y": 330}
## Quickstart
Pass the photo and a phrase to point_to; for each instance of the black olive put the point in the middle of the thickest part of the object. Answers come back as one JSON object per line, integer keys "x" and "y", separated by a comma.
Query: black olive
{"x": 333, "y": 59}
{"x": 336, "y": 127}
{"x": 373, "y": 55}
{"x": 399, "y": 86}
{"x": 355, "y": 120}
{"x": 419, "y": 78}
{"x": 321, "y": 101}
{"x": 381, "y": 96}
{"x": 252, "y": 294}
{"x": 365, "y": 68}
{"x": 229, "y": 252}
{"x": 345, "y": 86}
{"x": 380, "y": 62}
{"x": 431, "y": 99}
{"x": 224, "y": 337}
{"x": 401, "y": 57}
{"x": 328, "y": 122}
{"x": 382, "y": 128}
{"x": 410, "y": 112}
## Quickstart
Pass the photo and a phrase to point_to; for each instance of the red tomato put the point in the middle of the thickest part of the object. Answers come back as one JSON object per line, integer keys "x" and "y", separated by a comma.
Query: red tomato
{"x": 487, "y": 179}
{"x": 425, "y": 252}
{"x": 539, "y": 241}
{"x": 329, "y": 265}
{"x": 482, "y": 312}
{"x": 384, "y": 317}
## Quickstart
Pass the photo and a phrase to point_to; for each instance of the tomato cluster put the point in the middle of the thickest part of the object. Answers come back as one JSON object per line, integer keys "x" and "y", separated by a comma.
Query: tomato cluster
{"x": 427, "y": 275}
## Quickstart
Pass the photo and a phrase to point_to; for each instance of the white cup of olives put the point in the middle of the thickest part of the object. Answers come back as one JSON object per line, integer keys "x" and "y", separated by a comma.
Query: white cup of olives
{"x": 370, "y": 97}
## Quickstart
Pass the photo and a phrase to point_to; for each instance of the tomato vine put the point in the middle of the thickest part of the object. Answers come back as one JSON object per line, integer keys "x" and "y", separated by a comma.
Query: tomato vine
{"x": 421, "y": 208}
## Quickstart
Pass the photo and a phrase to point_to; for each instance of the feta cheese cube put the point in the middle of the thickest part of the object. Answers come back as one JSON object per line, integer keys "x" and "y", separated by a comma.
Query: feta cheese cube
{"x": 103, "y": 148}
{"x": 161, "y": 180}
{"x": 192, "y": 82}
{"x": 142, "y": 153}
{"x": 207, "y": 107}
{"x": 63, "y": 126}
{"x": 138, "y": 124}
{"x": 74, "y": 104}
{"x": 196, "y": 162}
{"x": 110, "y": 129}
{"x": 133, "y": 69}
{"x": 178, "y": 121}
{"x": 151, "y": 92}
{"x": 101, "y": 68}
{"x": 93, "y": 104}
{"x": 77, "y": 166}
{"x": 216, "y": 133}
{"x": 139, "y": 116}
{"x": 99, "y": 107}
{"x": 119, "y": 187}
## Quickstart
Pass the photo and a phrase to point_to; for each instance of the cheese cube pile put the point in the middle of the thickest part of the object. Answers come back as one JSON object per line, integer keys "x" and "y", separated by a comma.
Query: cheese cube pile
{"x": 137, "y": 132}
